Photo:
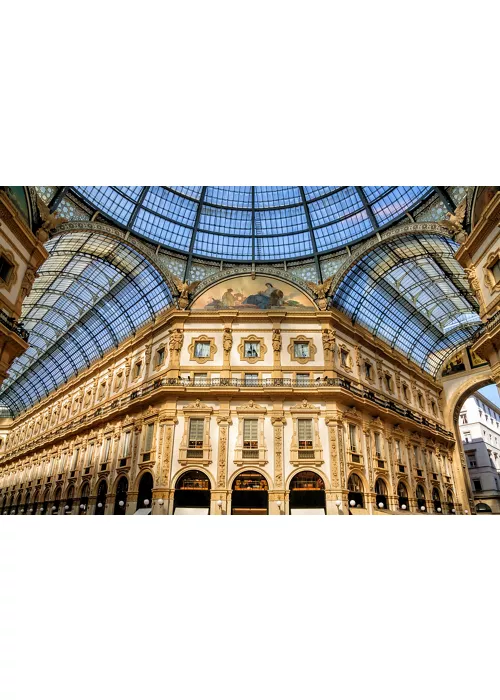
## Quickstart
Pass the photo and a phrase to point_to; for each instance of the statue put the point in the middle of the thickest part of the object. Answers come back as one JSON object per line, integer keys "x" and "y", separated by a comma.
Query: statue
{"x": 474, "y": 283}
{"x": 227, "y": 340}
{"x": 329, "y": 340}
{"x": 185, "y": 290}
{"x": 320, "y": 291}
{"x": 29, "y": 278}
{"x": 50, "y": 221}
{"x": 176, "y": 339}
{"x": 276, "y": 340}
{"x": 453, "y": 222}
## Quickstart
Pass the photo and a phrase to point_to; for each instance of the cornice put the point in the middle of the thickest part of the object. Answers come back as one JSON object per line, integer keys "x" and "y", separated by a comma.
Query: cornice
{"x": 490, "y": 218}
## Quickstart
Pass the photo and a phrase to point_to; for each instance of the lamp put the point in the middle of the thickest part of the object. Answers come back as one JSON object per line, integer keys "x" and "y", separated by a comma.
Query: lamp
{"x": 54, "y": 508}
{"x": 160, "y": 502}
{"x": 121, "y": 503}
{"x": 99, "y": 505}
{"x": 146, "y": 502}
{"x": 31, "y": 510}
{"x": 438, "y": 510}
{"x": 66, "y": 507}
{"x": 82, "y": 506}
{"x": 453, "y": 510}
{"x": 42, "y": 509}
{"x": 403, "y": 506}
{"x": 12, "y": 512}
{"x": 381, "y": 505}
{"x": 338, "y": 503}
{"x": 22, "y": 511}
{"x": 466, "y": 512}
{"x": 219, "y": 503}
{"x": 352, "y": 503}
{"x": 422, "y": 508}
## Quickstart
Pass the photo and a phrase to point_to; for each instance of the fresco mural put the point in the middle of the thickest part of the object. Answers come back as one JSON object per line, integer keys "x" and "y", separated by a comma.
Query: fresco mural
{"x": 247, "y": 293}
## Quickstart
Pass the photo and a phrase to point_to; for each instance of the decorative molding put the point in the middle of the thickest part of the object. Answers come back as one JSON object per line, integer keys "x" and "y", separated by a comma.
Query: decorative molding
{"x": 252, "y": 339}
{"x": 302, "y": 339}
{"x": 202, "y": 339}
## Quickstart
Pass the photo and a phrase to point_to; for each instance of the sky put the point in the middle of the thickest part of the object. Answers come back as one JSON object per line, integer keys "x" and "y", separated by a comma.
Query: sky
{"x": 491, "y": 393}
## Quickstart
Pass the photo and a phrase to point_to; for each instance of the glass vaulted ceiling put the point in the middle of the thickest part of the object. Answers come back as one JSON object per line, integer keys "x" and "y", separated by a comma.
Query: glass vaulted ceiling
{"x": 254, "y": 223}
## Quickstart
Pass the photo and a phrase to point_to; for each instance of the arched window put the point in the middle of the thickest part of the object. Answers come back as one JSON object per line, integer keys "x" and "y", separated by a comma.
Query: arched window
{"x": 450, "y": 502}
{"x": 34, "y": 506}
{"x": 84, "y": 499}
{"x": 69, "y": 500}
{"x": 436, "y": 500}
{"x": 381, "y": 494}
{"x": 100, "y": 503}
{"x": 404, "y": 503}
{"x": 307, "y": 491}
{"x": 420, "y": 494}
{"x": 355, "y": 496}
{"x": 57, "y": 501}
{"x": 250, "y": 494}
{"x": 121, "y": 496}
{"x": 145, "y": 497}
{"x": 18, "y": 504}
{"x": 44, "y": 508}
{"x": 483, "y": 508}
{"x": 192, "y": 491}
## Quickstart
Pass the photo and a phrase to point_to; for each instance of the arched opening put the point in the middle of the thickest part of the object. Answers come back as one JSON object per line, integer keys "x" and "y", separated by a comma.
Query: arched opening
{"x": 355, "y": 496}
{"x": 121, "y": 496}
{"x": 450, "y": 502}
{"x": 483, "y": 508}
{"x": 381, "y": 500}
{"x": 69, "y": 500}
{"x": 420, "y": 495}
{"x": 4, "y": 505}
{"x": 307, "y": 494}
{"x": 84, "y": 499}
{"x": 27, "y": 506}
{"x": 403, "y": 501}
{"x": 18, "y": 504}
{"x": 102, "y": 492}
{"x": 250, "y": 494}
{"x": 145, "y": 497}
{"x": 192, "y": 494}
{"x": 34, "y": 506}
{"x": 436, "y": 500}
{"x": 57, "y": 501}
{"x": 44, "y": 508}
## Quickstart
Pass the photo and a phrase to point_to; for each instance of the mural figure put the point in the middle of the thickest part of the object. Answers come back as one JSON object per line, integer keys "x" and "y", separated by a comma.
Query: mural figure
{"x": 247, "y": 293}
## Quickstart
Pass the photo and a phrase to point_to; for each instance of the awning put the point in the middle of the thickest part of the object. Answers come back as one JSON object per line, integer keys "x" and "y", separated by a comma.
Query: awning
{"x": 191, "y": 511}
{"x": 307, "y": 511}
{"x": 358, "y": 511}
{"x": 143, "y": 511}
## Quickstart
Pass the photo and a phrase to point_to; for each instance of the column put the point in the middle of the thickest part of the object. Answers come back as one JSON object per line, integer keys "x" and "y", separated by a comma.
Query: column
{"x": 338, "y": 491}
{"x": 220, "y": 492}
{"x": 162, "y": 491}
{"x": 278, "y": 421}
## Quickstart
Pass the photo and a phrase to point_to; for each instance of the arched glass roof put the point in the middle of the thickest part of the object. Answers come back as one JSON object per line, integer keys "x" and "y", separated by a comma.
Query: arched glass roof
{"x": 254, "y": 223}
{"x": 90, "y": 294}
{"x": 413, "y": 294}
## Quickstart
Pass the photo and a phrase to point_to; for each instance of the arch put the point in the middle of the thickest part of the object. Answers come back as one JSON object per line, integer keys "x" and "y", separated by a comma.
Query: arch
{"x": 192, "y": 491}
{"x": 145, "y": 490}
{"x": 483, "y": 508}
{"x": 402, "y": 491}
{"x": 70, "y": 497}
{"x": 421, "y": 498}
{"x": 84, "y": 498}
{"x": 250, "y": 493}
{"x": 381, "y": 494}
{"x": 307, "y": 491}
{"x": 412, "y": 293}
{"x": 121, "y": 496}
{"x": 94, "y": 290}
{"x": 450, "y": 502}
{"x": 184, "y": 470}
{"x": 246, "y": 468}
{"x": 356, "y": 489}
{"x": 314, "y": 469}
{"x": 101, "y": 496}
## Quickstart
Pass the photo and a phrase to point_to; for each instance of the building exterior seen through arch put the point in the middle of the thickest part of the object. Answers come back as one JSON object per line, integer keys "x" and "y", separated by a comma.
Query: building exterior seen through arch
{"x": 175, "y": 376}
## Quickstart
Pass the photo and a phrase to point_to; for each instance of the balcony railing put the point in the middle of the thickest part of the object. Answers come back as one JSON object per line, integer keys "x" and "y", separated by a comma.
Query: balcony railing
{"x": 13, "y": 325}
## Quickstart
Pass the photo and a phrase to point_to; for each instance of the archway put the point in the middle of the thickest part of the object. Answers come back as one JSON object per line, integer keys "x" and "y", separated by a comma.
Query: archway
{"x": 121, "y": 496}
{"x": 145, "y": 497}
{"x": 436, "y": 500}
{"x": 420, "y": 496}
{"x": 307, "y": 494}
{"x": 381, "y": 500}
{"x": 69, "y": 500}
{"x": 250, "y": 494}
{"x": 84, "y": 499}
{"x": 403, "y": 501}
{"x": 44, "y": 508}
{"x": 57, "y": 501}
{"x": 192, "y": 494}
{"x": 356, "y": 493}
{"x": 450, "y": 502}
{"x": 102, "y": 492}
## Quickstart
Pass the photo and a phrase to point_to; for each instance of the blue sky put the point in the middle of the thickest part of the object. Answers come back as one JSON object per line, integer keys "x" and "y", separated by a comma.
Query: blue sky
{"x": 491, "y": 393}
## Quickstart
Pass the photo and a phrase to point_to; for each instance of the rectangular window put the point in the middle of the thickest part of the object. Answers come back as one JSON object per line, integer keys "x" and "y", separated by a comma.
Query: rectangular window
{"x": 344, "y": 358}
{"x": 90, "y": 454}
{"x": 495, "y": 269}
{"x": 202, "y": 349}
{"x": 252, "y": 348}
{"x": 305, "y": 431}
{"x": 196, "y": 428}
{"x": 352, "y": 437}
{"x": 137, "y": 369}
{"x": 160, "y": 356}
{"x": 200, "y": 378}
{"x": 106, "y": 450}
{"x": 301, "y": 349}
{"x": 250, "y": 434}
{"x": 463, "y": 418}
{"x": 302, "y": 379}
{"x": 378, "y": 445}
{"x": 64, "y": 457}
{"x": 6, "y": 268}
{"x": 148, "y": 437}
{"x": 125, "y": 444}
{"x": 477, "y": 484}
{"x": 251, "y": 379}
{"x": 399, "y": 453}
{"x": 368, "y": 371}
{"x": 74, "y": 462}
{"x": 467, "y": 437}
{"x": 415, "y": 455}
{"x": 388, "y": 382}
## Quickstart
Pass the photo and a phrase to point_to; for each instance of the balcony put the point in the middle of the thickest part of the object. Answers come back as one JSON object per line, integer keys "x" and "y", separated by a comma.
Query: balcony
{"x": 13, "y": 325}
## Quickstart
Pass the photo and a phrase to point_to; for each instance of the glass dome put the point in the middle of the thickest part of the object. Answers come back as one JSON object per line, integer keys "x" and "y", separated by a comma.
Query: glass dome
{"x": 254, "y": 223}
